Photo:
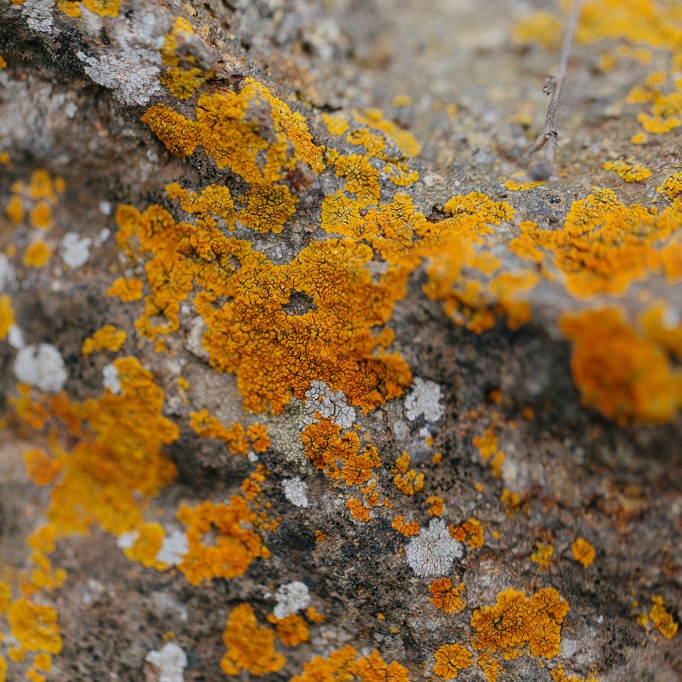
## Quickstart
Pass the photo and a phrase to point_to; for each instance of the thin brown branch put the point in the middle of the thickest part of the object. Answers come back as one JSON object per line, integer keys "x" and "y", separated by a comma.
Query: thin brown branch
{"x": 554, "y": 85}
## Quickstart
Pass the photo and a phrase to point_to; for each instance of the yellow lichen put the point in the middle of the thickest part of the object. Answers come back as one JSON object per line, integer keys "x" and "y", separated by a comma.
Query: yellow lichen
{"x": 374, "y": 118}
{"x": 436, "y": 505}
{"x": 408, "y": 481}
{"x": 405, "y": 528}
{"x": 342, "y": 666}
{"x": 446, "y": 597}
{"x": 249, "y": 647}
{"x": 15, "y": 210}
{"x": 583, "y": 552}
{"x": 106, "y": 338}
{"x": 126, "y": 289}
{"x": 34, "y": 626}
{"x": 470, "y": 531}
{"x": 450, "y": 659}
{"x": 40, "y": 468}
{"x": 40, "y": 216}
{"x": 103, "y": 7}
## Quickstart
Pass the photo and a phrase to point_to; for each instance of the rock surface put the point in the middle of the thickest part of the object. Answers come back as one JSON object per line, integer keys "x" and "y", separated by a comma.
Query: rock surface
{"x": 302, "y": 378}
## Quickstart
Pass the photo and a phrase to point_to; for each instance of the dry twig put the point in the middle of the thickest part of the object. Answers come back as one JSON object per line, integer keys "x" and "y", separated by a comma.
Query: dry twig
{"x": 553, "y": 86}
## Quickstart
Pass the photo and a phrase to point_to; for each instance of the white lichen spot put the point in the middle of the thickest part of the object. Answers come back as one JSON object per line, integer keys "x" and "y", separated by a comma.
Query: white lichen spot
{"x": 433, "y": 550}
{"x": 424, "y": 400}
{"x": 296, "y": 491}
{"x": 105, "y": 207}
{"x": 15, "y": 337}
{"x": 111, "y": 379}
{"x": 75, "y": 250}
{"x": 38, "y": 14}
{"x": 291, "y": 598}
{"x": 170, "y": 661}
{"x": 127, "y": 540}
{"x": 40, "y": 365}
{"x": 7, "y": 275}
{"x": 173, "y": 548}
{"x": 329, "y": 404}
{"x": 103, "y": 235}
{"x": 252, "y": 457}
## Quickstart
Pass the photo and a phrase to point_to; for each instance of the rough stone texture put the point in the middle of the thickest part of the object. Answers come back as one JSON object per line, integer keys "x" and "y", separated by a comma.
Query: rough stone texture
{"x": 509, "y": 416}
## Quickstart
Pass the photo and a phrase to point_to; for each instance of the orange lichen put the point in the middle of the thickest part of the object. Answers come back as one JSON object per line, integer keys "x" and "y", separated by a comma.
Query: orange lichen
{"x": 268, "y": 208}
{"x": 291, "y": 630}
{"x": 115, "y": 460}
{"x": 407, "y": 480}
{"x": 470, "y": 531}
{"x": 340, "y": 456}
{"x": 358, "y": 510}
{"x": 362, "y": 179}
{"x": 404, "y": 527}
{"x": 106, "y": 338}
{"x": 234, "y": 548}
{"x": 208, "y": 426}
{"x": 36, "y": 254}
{"x": 249, "y": 647}
{"x": 543, "y": 555}
{"x": 583, "y": 552}
{"x": 335, "y": 124}
{"x": 40, "y": 468}
{"x": 258, "y": 435}
{"x": 436, "y": 505}
{"x": 6, "y": 315}
{"x": 662, "y": 619}
{"x": 34, "y": 626}
{"x": 15, "y": 210}
{"x": 147, "y": 545}
{"x": 604, "y": 246}
{"x": 515, "y": 622}
{"x": 622, "y": 370}
{"x": 558, "y": 675}
{"x": 450, "y": 659}
{"x": 40, "y": 216}
{"x": 127, "y": 289}
{"x": 628, "y": 170}
{"x": 342, "y": 666}
{"x": 490, "y": 453}
{"x": 446, "y": 597}
{"x": 374, "y": 118}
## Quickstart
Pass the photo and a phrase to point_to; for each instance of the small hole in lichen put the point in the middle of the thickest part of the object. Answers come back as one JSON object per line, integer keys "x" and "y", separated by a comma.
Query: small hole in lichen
{"x": 299, "y": 304}
{"x": 210, "y": 537}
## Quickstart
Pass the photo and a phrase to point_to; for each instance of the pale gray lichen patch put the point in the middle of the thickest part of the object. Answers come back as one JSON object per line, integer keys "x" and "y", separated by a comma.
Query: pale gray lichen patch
{"x": 39, "y": 14}
{"x": 433, "y": 550}
{"x": 296, "y": 491}
{"x": 329, "y": 405}
{"x": 170, "y": 661}
{"x": 42, "y": 366}
{"x": 75, "y": 250}
{"x": 291, "y": 598}
{"x": 424, "y": 400}
{"x": 131, "y": 67}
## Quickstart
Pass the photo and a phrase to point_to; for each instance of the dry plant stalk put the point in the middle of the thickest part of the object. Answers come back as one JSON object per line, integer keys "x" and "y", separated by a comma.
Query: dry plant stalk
{"x": 553, "y": 86}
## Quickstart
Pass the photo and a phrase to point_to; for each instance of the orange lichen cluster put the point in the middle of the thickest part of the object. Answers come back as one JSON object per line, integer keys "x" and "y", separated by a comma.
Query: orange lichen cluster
{"x": 238, "y": 439}
{"x": 516, "y": 623}
{"x": 604, "y": 246}
{"x": 543, "y": 555}
{"x": 470, "y": 531}
{"x": 490, "y": 453}
{"x": 291, "y": 630}
{"x": 626, "y": 371}
{"x": 405, "y": 528}
{"x": 147, "y": 545}
{"x": 234, "y": 545}
{"x": 665, "y": 112}
{"x": 407, "y": 480}
{"x": 447, "y": 597}
{"x": 35, "y": 629}
{"x": 660, "y": 617}
{"x": 467, "y": 278}
{"x": 6, "y": 315}
{"x": 436, "y": 505}
{"x": 344, "y": 666}
{"x": 450, "y": 659}
{"x": 106, "y": 338}
{"x": 249, "y": 646}
{"x": 558, "y": 675}
{"x": 274, "y": 354}
{"x": 183, "y": 76}
{"x": 583, "y": 552}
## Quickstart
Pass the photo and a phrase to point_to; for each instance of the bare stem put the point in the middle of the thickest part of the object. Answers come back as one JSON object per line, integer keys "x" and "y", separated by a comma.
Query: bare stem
{"x": 553, "y": 86}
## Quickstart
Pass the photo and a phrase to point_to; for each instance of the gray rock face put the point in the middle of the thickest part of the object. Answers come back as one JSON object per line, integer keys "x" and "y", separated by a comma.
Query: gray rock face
{"x": 303, "y": 378}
